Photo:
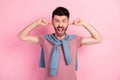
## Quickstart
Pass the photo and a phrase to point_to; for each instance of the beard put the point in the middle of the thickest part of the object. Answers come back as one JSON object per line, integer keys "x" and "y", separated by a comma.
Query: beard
{"x": 60, "y": 31}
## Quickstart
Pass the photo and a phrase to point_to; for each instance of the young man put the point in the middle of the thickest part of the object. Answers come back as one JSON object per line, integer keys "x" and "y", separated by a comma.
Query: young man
{"x": 59, "y": 50}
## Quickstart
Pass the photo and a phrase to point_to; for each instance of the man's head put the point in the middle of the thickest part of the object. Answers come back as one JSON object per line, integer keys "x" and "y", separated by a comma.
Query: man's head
{"x": 61, "y": 11}
{"x": 60, "y": 20}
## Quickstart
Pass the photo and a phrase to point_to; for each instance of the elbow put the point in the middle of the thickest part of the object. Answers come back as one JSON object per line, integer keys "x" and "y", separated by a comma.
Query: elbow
{"x": 20, "y": 37}
{"x": 100, "y": 40}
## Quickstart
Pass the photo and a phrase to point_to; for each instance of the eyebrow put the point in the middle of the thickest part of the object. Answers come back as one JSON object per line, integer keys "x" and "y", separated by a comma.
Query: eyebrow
{"x": 63, "y": 19}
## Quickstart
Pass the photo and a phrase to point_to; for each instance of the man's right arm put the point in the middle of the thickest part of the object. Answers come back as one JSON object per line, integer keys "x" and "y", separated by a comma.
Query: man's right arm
{"x": 25, "y": 33}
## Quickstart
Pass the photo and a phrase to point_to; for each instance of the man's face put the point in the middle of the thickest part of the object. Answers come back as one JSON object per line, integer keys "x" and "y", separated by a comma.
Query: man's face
{"x": 60, "y": 24}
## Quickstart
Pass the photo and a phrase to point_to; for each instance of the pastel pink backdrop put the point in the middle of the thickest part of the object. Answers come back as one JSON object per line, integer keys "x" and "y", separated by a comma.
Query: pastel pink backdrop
{"x": 19, "y": 60}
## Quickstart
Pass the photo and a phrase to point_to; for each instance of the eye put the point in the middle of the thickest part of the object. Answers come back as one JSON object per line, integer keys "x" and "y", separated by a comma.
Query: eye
{"x": 64, "y": 21}
{"x": 56, "y": 21}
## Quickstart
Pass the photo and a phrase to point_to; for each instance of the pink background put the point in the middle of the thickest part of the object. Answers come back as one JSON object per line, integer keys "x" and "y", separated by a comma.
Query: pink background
{"x": 19, "y": 60}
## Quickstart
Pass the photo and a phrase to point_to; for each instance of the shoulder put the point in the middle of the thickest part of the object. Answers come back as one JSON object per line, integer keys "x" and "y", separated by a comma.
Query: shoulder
{"x": 78, "y": 40}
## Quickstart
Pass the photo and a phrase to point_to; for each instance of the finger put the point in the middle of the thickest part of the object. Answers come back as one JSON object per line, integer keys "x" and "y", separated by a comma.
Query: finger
{"x": 77, "y": 20}
{"x": 45, "y": 21}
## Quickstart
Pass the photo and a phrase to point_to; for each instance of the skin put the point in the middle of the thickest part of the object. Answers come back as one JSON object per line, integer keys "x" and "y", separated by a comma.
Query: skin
{"x": 60, "y": 24}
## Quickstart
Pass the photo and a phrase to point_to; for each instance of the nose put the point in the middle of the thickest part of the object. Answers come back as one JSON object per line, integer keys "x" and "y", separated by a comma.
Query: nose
{"x": 60, "y": 24}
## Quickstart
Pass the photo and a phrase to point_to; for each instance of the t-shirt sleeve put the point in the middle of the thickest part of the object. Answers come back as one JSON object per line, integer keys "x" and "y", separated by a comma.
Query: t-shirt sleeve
{"x": 41, "y": 40}
{"x": 78, "y": 41}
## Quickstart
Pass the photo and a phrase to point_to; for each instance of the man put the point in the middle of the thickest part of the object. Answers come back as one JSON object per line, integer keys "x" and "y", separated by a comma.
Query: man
{"x": 59, "y": 50}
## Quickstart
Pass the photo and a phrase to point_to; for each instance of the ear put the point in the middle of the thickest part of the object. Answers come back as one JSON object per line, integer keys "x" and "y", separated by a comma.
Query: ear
{"x": 71, "y": 23}
{"x": 51, "y": 22}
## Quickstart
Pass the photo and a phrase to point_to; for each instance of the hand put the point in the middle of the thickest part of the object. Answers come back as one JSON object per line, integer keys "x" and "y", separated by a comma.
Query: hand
{"x": 78, "y": 22}
{"x": 43, "y": 22}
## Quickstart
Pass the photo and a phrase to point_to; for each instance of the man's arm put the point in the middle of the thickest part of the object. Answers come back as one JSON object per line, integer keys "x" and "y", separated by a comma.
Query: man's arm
{"x": 95, "y": 35}
{"x": 25, "y": 33}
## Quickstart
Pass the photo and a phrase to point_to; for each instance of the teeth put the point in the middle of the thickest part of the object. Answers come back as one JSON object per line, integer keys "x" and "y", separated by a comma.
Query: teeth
{"x": 60, "y": 29}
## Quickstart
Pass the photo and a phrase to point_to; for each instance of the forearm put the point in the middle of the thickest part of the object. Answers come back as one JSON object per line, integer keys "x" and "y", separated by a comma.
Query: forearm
{"x": 26, "y": 31}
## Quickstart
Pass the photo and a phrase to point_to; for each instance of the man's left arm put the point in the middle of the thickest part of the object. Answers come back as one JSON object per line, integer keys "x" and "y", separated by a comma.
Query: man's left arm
{"x": 95, "y": 35}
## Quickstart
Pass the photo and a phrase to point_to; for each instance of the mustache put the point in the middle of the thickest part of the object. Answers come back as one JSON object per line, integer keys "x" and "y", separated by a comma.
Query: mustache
{"x": 60, "y": 27}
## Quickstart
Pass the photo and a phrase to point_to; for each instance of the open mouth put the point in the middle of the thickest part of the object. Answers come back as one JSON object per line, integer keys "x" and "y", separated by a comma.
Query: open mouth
{"x": 60, "y": 29}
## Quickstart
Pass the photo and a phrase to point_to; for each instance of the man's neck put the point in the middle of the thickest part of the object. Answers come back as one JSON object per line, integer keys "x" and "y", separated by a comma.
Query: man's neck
{"x": 60, "y": 37}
